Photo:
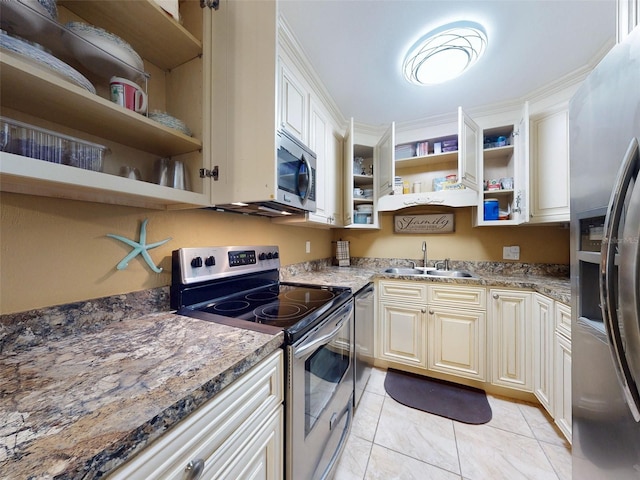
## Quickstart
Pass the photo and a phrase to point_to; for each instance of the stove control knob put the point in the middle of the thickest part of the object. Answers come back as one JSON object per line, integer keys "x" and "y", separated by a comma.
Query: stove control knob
{"x": 196, "y": 262}
{"x": 210, "y": 261}
{"x": 269, "y": 256}
{"x": 262, "y": 256}
{"x": 275, "y": 255}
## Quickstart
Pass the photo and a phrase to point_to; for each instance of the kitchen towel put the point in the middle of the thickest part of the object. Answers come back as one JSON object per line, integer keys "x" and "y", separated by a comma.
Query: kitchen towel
{"x": 450, "y": 400}
{"x": 342, "y": 253}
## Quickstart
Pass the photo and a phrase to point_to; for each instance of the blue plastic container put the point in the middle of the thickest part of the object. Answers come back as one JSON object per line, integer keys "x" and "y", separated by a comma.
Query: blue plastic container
{"x": 491, "y": 209}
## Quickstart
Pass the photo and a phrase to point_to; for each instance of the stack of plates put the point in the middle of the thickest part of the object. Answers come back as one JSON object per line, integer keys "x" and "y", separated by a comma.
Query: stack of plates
{"x": 366, "y": 208}
{"x": 29, "y": 18}
{"x": 169, "y": 121}
{"x": 113, "y": 57}
{"x": 35, "y": 54}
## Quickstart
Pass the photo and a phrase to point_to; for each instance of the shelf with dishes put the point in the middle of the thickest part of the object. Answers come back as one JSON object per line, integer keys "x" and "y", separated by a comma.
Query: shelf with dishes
{"x": 27, "y": 88}
{"x": 53, "y": 98}
{"x": 33, "y": 31}
{"x": 154, "y": 34}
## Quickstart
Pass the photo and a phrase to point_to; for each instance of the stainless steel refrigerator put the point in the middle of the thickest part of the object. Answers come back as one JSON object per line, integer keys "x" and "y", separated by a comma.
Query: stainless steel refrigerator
{"x": 604, "y": 126}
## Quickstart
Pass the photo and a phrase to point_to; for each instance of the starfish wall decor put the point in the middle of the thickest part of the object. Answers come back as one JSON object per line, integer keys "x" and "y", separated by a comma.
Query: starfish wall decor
{"x": 139, "y": 247}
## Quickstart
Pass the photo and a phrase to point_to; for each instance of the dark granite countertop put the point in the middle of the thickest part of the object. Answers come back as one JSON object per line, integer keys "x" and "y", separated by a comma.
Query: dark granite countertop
{"x": 356, "y": 277}
{"x": 76, "y": 407}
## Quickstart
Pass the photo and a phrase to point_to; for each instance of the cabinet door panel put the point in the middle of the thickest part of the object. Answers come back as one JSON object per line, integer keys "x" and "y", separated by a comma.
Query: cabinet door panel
{"x": 319, "y": 132}
{"x": 471, "y": 297}
{"x": 385, "y": 162}
{"x": 293, "y": 110}
{"x": 402, "y": 336}
{"x": 469, "y": 151}
{"x": 511, "y": 336}
{"x": 456, "y": 342}
{"x": 563, "y": 385}
{"x": 404, "y": 291}
{"x": 550, "y": 170}
{"x": 543, "y": 351}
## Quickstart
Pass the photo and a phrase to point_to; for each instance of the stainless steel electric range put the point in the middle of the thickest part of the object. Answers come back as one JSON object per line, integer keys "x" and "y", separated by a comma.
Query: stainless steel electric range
{"x": 240, "y": 286}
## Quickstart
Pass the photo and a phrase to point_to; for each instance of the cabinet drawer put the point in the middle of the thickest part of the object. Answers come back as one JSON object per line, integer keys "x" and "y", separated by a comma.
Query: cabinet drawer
{"x": 450, "y": 295}
{"x": 406, "y": 291}
{"x": 209, "y": 431}
{"x": 563, "y": 319}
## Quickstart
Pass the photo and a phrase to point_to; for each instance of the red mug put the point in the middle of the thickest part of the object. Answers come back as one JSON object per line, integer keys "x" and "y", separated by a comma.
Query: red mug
{"x": 128, "y": 94}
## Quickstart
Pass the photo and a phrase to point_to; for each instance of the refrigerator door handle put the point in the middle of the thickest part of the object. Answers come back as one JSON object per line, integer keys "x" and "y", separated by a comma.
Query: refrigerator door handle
{"x": 608, "y": 301}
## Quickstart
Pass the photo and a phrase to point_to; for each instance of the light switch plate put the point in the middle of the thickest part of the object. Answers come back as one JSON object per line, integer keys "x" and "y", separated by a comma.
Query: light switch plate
{"x": 307, "y": 247}
{"x": 511, "y": 253}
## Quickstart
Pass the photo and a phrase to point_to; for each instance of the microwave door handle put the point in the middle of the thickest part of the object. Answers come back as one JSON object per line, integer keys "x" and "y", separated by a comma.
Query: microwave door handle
{"x": 607, "y": 278}
{"x": 309, "y": 176}
{"x": 306, "y": 349}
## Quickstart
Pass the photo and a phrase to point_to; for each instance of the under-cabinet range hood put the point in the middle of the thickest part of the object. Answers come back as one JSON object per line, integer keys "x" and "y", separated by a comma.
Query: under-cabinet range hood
{"x": 263, "y": 209}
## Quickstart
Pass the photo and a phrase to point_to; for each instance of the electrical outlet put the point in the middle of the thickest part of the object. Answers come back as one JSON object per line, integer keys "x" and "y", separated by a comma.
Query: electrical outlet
{"x": 511, "y": 253}
{"x": 307, "y": 247}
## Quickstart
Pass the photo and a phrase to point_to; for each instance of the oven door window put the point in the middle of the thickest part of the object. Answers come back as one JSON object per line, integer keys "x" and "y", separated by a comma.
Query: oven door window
{"x": 324, "y": 371}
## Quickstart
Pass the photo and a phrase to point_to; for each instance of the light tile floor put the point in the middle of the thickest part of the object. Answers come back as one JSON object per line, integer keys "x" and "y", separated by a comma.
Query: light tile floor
{"x": 391, "y": 441}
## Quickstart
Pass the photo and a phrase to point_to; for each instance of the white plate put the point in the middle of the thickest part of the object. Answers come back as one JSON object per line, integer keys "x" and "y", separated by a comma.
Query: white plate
{"x": 40, "y": 58}
{"x": 28, "y": 17}
{"x": 169, "y": 121}
{"x": 112, "y": 57}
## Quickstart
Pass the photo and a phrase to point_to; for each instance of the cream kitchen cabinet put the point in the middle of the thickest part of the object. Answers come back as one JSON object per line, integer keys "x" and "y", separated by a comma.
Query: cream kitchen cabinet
{"x": 268, "y": 84}
{"x": 550, "y": 166}
{"x": 402, "y": 323}
{"x": 432, "y": 162}
{"x": 179, "y": 59}
{"x": 368, "y": 167}
{"x": 294, "y": 103}
{"x": 510, "y": 334}
{"x": 562, "y": 369}
{"x": 325, "y": 140}
{"x": 542, "y": 318}
{"x": 238, "y": 434}
{"x": 457, "y": 330}
{"x": 506, "y": 161}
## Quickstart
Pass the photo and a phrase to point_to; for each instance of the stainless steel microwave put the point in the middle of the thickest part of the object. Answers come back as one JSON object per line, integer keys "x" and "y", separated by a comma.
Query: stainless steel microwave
{"x": 296, "y": 173}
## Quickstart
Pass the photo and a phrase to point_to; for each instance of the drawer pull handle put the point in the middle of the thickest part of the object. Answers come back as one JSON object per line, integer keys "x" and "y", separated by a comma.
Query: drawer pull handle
{"x": 194, "y": 469}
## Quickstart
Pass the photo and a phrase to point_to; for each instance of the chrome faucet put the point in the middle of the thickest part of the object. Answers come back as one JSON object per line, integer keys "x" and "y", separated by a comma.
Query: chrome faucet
{"x": 443, "y": 265}
{"x": 424, "y": 251}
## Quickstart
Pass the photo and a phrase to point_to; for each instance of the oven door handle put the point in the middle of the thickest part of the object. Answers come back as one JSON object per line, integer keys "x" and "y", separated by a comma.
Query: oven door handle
{"x": 307, "y": 348}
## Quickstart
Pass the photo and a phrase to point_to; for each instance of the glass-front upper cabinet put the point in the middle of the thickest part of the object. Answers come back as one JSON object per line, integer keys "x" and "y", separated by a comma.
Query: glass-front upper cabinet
{"x": 106, "y": 101}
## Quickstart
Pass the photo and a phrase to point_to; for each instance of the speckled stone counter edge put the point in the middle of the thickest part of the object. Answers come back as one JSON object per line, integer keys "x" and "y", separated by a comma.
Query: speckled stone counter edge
{"x": 30, "y": 328}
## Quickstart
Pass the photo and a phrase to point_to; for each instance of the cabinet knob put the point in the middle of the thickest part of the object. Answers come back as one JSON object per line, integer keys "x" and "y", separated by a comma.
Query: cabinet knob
{"x": 430, "y": 312}
{"x": 194, "y": 469}
{"x": 496, "y": 296}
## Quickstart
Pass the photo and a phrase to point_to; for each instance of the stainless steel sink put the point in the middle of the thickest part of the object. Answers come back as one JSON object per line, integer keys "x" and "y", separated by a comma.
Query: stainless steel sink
{"x": 405, "y": 271}
{"x": 451, "y": 273}
{"x": 430, "y": 272}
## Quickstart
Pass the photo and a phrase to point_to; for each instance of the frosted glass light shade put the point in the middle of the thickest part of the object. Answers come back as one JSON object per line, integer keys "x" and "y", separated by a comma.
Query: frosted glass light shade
{"x": 444, "y": 53}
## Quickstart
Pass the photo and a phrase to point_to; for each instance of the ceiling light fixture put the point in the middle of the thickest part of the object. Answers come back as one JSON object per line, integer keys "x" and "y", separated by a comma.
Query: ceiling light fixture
{"x": 444, "y": 53}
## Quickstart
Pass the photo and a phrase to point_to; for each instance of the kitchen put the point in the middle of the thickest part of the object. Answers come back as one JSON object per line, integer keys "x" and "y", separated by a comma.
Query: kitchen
{"x": 56, "y": 251}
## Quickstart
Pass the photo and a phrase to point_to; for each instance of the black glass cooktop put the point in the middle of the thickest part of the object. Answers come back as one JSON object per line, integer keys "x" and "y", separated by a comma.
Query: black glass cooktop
{"x": 294, "y": 308}
{"x": 279, "y": 305}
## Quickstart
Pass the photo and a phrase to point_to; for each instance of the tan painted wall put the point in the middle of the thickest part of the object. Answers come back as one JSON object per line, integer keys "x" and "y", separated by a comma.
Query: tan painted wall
{"x": 55, "y": 251}
{"x": 549, "y": 244}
